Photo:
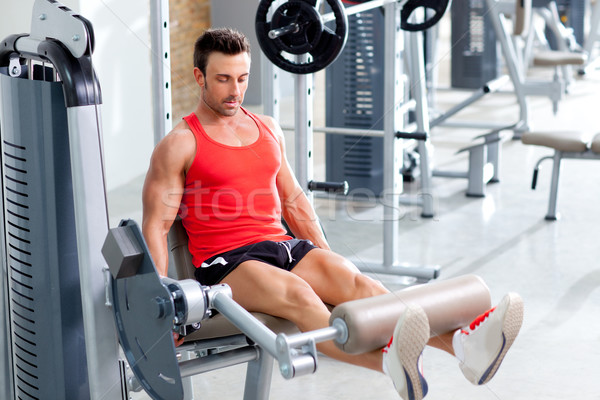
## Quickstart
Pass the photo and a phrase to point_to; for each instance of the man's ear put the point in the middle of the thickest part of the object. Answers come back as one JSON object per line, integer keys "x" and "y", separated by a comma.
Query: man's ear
{"x": 199, "y": 76}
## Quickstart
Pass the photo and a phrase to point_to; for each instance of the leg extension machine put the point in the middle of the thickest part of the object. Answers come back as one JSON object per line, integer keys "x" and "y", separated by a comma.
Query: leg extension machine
{"x": 147, "y": 309}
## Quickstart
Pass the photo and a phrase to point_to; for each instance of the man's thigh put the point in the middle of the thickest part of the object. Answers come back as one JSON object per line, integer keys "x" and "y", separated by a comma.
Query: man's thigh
{"x": 334, "y": 278}
{"x": 261, "y": 287}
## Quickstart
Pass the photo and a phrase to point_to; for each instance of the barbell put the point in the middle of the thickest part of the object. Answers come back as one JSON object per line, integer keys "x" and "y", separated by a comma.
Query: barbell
{"x": 294, "y": 36}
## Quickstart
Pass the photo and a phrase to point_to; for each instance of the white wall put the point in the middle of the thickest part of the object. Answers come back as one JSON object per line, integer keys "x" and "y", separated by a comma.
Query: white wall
{"x": 123, "y": 65}
{"x": 16, "y": 15}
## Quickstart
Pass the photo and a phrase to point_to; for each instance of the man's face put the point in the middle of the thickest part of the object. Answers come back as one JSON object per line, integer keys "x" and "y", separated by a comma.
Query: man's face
{"x": 226, "y": 82}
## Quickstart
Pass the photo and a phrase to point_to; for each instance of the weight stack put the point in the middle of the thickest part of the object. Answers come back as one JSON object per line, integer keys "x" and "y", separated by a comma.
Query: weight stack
{"x": 474, "y": 49}
{"x": 41, "y": 296}
{"x": 354, "y": 99}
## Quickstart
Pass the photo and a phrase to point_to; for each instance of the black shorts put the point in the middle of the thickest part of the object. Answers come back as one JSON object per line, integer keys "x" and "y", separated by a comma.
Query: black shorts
{"x": 284, "y": 255}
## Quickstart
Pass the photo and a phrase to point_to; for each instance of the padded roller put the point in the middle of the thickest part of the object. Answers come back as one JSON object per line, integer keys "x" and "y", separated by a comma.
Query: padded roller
{"x": 449, "y": 304}
{"x": 522, "y": 17}
{"x": 554, "y": 58}
{"x": 567, "y": 141}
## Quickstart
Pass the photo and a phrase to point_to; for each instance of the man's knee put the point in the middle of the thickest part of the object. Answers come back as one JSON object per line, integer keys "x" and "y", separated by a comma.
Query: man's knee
{"x": 303, "y": 297}
{"x": 366, "y": 286}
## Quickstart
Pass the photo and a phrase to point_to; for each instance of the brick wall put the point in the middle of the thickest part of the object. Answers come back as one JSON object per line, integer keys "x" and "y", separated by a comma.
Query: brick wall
{"x": 189, "y": 18}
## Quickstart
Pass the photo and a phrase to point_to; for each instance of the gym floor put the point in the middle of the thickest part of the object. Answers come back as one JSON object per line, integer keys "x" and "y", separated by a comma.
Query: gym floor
{"x": 503, "y": 238}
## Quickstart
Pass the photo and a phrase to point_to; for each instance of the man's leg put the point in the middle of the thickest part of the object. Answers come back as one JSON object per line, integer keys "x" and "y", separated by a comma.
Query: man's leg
{"x": 260, "y": 287}
{"x": 336, "y": 280}
{"x": 482, "y": 345}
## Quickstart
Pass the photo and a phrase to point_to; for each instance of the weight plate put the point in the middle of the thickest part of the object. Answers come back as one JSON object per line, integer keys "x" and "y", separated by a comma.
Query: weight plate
{"x": 303, "y": 44}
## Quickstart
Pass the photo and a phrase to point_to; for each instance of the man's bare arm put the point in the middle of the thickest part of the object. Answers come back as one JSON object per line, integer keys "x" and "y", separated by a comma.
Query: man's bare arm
{"x": 162, "y": 192}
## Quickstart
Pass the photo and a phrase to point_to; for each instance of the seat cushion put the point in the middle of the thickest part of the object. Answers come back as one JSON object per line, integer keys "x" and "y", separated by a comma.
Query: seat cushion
{"x": 219, "y": 326}
{"x": 556, "y": 58}
{"x": 568, "y": 141}
{"x": 596, "y": 144}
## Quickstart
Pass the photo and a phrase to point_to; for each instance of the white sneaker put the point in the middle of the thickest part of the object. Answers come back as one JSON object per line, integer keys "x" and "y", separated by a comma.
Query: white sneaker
{"x": 402, "y": 355}
{"x": 482, "y": 345}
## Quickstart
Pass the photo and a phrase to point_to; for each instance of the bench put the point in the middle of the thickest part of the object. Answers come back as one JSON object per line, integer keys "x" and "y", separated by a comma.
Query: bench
{"x": 484, "y": 163}
{"x": 566, "y": 144}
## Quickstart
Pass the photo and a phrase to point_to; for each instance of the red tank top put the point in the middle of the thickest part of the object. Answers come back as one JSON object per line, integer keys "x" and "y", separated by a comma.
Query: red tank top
{"x": 230, "y": 197}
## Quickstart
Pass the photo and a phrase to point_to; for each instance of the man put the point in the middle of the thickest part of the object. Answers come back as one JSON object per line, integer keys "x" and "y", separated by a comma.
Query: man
{"x": 224, "y": 171}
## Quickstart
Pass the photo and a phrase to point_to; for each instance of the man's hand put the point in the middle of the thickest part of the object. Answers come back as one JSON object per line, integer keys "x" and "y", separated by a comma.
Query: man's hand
{"x": 178, "y": 340}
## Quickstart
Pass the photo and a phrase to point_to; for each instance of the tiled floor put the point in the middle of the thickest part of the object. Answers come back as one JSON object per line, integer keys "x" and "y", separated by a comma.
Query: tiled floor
{"x": 555, "y": 266}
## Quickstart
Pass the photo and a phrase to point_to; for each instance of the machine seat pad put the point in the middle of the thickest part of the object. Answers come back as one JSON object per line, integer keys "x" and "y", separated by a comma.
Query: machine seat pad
{"x": 596, "y": 144}
{"x": 557, "y": 58}
{"x": 566, "y": 141}
{"x": 218, "y": 326}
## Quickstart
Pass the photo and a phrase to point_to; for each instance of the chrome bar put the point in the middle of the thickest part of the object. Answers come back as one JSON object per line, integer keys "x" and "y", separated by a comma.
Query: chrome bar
{"x": 423, "y": 273}
{"x": 270, "y": 87}
{"x": 243, "y": 320}
{"x": 258, "y": 377}
{"x": 489, "y": 87}
{"x": 450, "y": 174}
{"x": 341, "y": 131}
{"x": 318, "y": 336}
{"x": 495, "y": 85}
{"x": 303, "y": 149}
{"x": 217, "y": 361}
{"x": 284, "y": 30}
{"x": 161, "y": 71}
{"x": 411, "y": 201}
{"x": 392, "y": 122}
{"x": 414, "y": 42}
{"x": 369, "y": 5}
{"x": 473, "y": 124}
{"x": 551, "y": 214}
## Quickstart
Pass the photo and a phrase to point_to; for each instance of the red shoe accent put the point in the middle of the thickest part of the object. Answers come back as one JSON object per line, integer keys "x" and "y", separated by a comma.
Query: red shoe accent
{"x": 386, "y": 348}
{"x": 477, "y": 321}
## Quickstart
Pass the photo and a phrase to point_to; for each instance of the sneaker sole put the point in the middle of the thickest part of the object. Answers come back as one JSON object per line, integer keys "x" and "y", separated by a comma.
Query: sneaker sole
{"x": 510, "y": 329}
{"x": 412, "y": 338}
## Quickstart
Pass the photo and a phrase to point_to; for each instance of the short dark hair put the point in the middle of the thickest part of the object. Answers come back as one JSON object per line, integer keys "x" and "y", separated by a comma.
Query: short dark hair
{"x": 224, "y": 40}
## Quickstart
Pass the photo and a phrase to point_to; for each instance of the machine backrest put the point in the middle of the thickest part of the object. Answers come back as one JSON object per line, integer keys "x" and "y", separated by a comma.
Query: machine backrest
{"x": 522, "y": 17}
{"x": 178, "y": 245}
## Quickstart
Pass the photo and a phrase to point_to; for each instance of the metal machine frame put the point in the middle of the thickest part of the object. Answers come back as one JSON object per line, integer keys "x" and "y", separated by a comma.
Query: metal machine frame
{"x": 396, "y": 106}
{"x": 591, "y": 40}
{"x": 484, "y": 155}
{"x": 161, "y": 71}
{"x": 514, "y": 52}
{"x": 71, "y": 197}
{"x": 147, "y": 308}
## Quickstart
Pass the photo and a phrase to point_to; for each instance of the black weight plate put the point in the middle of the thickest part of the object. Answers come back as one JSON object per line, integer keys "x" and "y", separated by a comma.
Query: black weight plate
{"x": 438, "y": 6}
{"x": 311, "y": 38}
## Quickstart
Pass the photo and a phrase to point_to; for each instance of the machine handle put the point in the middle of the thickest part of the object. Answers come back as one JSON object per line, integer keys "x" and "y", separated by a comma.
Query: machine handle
{"x": 329, "y": 187}
{"x": 412, "y": 135}
{"x": 535, "y": 178}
